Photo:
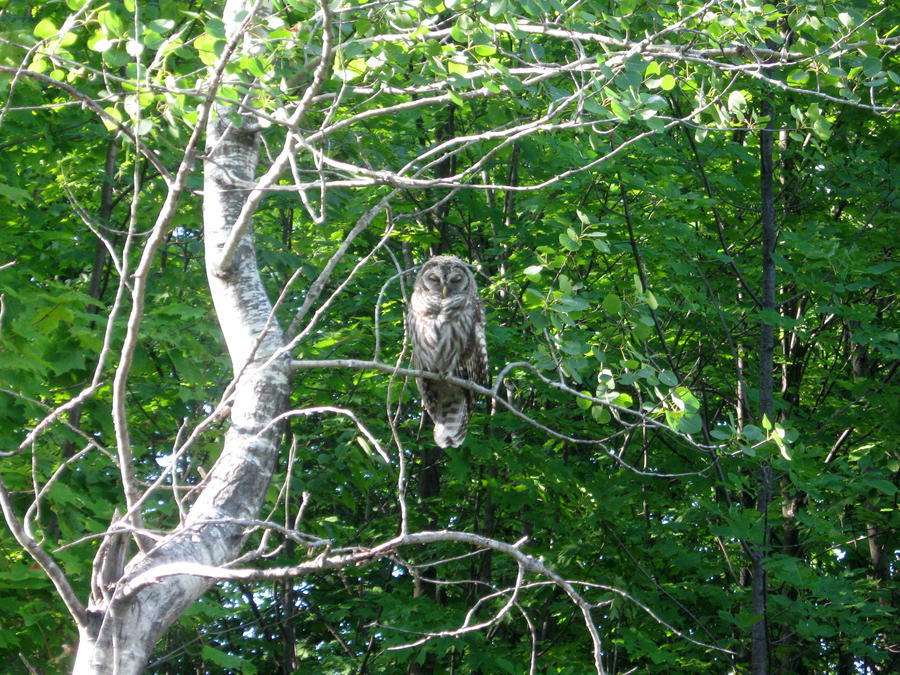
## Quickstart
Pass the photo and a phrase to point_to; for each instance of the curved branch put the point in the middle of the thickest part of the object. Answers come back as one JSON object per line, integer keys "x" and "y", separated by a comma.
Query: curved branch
{"x": 89, "y": 103}
{"x": 41, "y": 557}
{"x": 245, "y": 219}
{"x": 329, "y": 561}
{"x": 360, "y": 364}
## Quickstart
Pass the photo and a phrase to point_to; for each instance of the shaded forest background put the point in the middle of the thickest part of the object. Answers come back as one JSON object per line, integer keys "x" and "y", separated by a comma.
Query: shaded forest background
{"x": 683, "y": 218}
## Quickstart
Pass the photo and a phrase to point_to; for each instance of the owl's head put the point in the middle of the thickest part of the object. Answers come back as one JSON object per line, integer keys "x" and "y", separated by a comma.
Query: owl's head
{"x": 445, "y": 276}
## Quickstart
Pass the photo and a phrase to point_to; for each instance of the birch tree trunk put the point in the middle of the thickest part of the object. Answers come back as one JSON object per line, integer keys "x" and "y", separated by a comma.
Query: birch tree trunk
{"x": 124, "y": 625}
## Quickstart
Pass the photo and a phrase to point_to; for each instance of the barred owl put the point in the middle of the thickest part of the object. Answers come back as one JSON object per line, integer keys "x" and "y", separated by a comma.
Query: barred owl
{"x": 446, "y": 326}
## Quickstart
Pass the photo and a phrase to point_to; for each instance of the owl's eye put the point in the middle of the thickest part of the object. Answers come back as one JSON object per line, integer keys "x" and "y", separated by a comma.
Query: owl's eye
{"x": 456, "y": 278}
{"x": 433, "y": 278}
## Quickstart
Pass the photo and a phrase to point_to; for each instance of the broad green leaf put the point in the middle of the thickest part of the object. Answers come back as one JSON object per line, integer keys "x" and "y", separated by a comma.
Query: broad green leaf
{"x": 45, "y": 29}
{"x": 624, "y": 400}
{"x": 619, "y": 111}
{"x": 737, "y": 103}
{"x": 498, "y": 8}
{"x": 613, "y": 304}
{"x": 668, "y": 378}
{"x": 569, "y": 303}
{"x": 568, "y": 243}
{"x": 601, "y": 414}
{"x": 457, "y": 68}
{"x": 16, "y": 195}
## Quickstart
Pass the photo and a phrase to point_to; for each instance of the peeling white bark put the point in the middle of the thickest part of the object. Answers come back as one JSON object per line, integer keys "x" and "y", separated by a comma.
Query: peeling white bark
{"x": 123, "y": 627}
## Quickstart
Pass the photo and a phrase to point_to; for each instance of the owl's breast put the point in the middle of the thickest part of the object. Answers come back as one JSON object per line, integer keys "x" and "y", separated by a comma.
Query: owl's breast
{"x": 436, "y": 335}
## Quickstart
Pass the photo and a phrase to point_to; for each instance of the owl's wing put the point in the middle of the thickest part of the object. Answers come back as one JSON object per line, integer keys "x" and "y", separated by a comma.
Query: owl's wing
{"x": 426, "y": 387}
{"x": 474, "y": 360}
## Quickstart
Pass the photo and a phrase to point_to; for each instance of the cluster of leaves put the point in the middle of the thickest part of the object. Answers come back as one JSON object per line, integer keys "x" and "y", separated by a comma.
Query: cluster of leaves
{"x": 629, "y": 277}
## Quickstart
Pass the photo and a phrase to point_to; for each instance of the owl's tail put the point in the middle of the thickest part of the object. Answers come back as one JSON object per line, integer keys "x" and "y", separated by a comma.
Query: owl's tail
{"x": 451, "y": 420}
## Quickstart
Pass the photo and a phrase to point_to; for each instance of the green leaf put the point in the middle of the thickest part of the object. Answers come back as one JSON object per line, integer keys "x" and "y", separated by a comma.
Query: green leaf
{"x": 871, "y": 66}
{"x": 462, "y": 28}
{"x": 668, "y": 378}
{"x": 822, "y": 128}
{"x": 753, "y": 433}
{"x": 457, "y": 68}
{"x": 45, "y": 29}
{"x": 568, "y": 303}
{"x": 612, "y": 304}
{"x": 737, "y": 103}
{"x": 689, "y": 424}
{"x": 881, "y": 485}
{"x": 797, "y": 76}
{"x": 601, "y": 246}
{"x": 624, "y": 400}
{"x": 16, "y": 195}
{"x": 641, "y": 331}
{"x": 619, "y": 111}
{"x": 352, "y": 69}
{"x": 484, "y": 50}
{"x": 568, "y": 243}
{"x": 225, "y": 660}
{"x": 207, "y": 48}
{"x": 112, "y": 23}
{"x": 601, "y": 414}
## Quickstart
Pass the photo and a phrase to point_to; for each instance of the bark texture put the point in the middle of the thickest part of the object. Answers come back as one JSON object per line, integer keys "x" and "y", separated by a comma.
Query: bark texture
{"x": 759, "y": 658}
{"x": 127, "y": 618}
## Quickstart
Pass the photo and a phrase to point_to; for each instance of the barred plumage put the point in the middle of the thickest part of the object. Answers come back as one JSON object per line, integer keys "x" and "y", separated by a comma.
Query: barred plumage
{"x": 446, "y": 325}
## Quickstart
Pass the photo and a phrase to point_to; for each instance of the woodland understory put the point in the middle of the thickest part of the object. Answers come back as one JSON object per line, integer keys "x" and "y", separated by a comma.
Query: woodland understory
{"x": 683, "y": 219}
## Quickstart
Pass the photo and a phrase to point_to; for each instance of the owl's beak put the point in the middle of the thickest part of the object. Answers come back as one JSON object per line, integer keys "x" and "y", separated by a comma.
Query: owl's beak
{"x": 444, "y": 291}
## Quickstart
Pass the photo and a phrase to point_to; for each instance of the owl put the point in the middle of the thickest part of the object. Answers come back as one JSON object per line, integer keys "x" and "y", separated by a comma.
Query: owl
{"x": 446, "y": 327}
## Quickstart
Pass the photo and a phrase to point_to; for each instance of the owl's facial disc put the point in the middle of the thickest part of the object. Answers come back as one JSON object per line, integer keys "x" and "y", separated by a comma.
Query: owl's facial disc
{"x": 444, "y": 280}
{"x": 432, "y": 281}
{"x": 455, "y": 282}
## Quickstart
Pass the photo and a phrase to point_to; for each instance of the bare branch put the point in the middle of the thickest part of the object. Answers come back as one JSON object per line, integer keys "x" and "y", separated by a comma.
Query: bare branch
{"x": 240, "y": 226}
{"x": 330, "y": 561}
{"x": 358, "y": 364}
{"x": 42, "y": 558}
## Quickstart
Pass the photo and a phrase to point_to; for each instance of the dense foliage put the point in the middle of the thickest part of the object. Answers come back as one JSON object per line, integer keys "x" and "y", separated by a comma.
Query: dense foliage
{"x": 601, "y": 165}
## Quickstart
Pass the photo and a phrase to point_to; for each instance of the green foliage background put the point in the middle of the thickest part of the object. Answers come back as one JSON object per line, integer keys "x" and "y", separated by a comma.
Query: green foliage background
{"x": 623, "y": 259}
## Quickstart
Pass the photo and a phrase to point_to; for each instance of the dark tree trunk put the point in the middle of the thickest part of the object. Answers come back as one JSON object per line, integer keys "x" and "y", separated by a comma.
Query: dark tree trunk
{"x": 759, "y": 651}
